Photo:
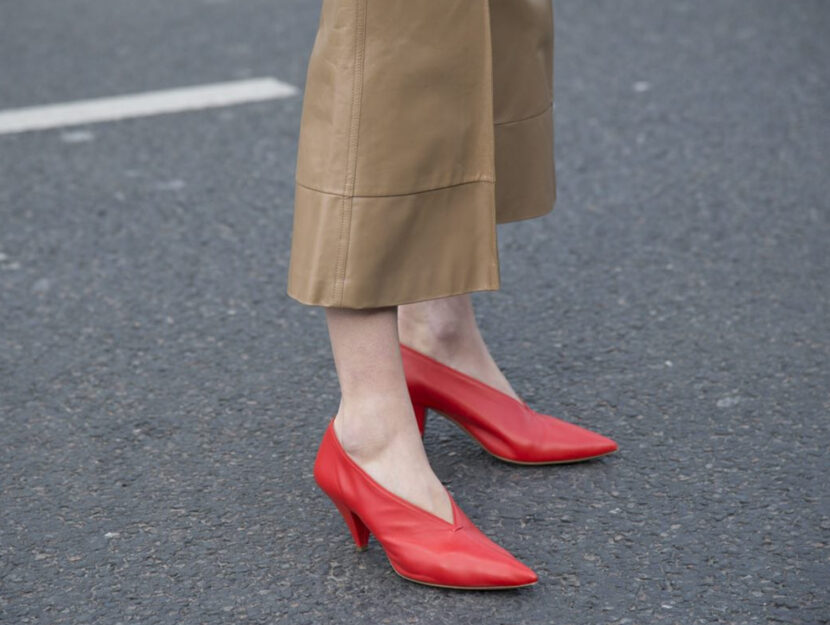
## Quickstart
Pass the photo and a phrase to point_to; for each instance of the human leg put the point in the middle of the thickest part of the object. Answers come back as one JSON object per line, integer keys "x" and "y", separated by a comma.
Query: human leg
{"x": 446, "y": 329}
{"x": 374, "y": 422}
{"x": 372, "y": 465}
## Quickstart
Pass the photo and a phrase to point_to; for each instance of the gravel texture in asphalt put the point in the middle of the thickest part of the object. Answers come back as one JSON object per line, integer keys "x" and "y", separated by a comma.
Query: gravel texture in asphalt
{"x": 161, "y": 398}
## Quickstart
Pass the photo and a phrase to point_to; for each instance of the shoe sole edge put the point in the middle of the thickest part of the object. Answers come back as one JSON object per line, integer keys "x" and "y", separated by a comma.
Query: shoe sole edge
{"x": 435, "y": 585}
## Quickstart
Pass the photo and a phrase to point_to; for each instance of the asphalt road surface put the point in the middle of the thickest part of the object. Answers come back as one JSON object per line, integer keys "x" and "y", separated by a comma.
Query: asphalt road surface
{"x": 161, "y": 398}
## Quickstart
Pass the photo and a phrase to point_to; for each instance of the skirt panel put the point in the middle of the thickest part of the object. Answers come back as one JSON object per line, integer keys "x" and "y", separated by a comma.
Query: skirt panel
{"x": 522, "y": 41}
{"x": 403, "y": 134}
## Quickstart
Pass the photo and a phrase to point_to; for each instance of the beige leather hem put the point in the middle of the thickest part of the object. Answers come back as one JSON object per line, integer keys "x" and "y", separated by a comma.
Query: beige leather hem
{"x": 525, "y": 167}
{"x": 425, "y": 124}
{"x": 374, "y": 251}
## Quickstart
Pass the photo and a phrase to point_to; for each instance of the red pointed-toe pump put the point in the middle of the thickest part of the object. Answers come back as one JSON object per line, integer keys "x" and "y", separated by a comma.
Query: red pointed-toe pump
{"x": 505, "y": 427}
{"x": 420, "y": 546}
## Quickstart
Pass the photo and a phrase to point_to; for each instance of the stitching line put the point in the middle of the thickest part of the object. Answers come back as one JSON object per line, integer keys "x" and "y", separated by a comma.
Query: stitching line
{"x": 344, "y": 242}
{"x": 449, "y": 186}
{"x": 524, "y": 119}
{"x": 494, "y": 247}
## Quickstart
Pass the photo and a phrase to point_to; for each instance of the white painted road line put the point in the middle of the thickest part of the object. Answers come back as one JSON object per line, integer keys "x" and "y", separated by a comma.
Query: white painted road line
{"x": 143, "y": 104}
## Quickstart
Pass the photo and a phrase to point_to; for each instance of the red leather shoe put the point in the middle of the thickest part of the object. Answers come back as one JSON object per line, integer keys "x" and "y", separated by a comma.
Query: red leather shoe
{"x": 420, "y": 546}
{"x": 505, "y": 427}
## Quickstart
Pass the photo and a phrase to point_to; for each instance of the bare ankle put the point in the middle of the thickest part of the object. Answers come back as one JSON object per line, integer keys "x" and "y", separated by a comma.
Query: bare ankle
{"x": 445, "y": 318}
{"x": 369, "y": 426}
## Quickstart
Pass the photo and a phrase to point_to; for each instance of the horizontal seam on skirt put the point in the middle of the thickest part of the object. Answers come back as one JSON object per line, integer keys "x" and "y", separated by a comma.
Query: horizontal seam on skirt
{"x": 310, "y": 301}
{"x": 449, "y": 186}
{"x": 524, "y": 119}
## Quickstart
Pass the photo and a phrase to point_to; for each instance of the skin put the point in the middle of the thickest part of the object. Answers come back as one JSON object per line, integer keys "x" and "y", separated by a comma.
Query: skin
{"x": 375, "y": 422}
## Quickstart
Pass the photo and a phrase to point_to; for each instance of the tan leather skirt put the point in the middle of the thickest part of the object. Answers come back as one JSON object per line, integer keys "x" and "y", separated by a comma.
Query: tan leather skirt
{"x": 425, "y": 123}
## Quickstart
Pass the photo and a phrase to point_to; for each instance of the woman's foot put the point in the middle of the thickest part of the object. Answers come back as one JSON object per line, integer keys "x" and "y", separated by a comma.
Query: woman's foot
{"x": 382, "y": 437}
{"x": 420, "y": 546}
{"x": 443, "y": 333}
{"x": 375, "y": 423}
{"x": 445, "y": 329}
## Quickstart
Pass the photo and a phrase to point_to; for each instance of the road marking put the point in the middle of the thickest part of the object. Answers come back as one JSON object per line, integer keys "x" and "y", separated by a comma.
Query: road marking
{"x": 143, "y": 104}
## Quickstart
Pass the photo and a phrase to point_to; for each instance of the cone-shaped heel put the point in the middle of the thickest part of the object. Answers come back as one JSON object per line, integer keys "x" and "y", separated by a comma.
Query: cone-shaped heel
{"x": 359, "y": 531}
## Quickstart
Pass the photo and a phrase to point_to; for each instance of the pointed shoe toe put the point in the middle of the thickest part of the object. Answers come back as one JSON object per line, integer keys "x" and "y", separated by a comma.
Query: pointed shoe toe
{"x": 558, "y": 441}
{"x": 504, "y": 572}
{"x": 602, "y": 445}
{"x": 419, "y": 545}
{"x": 470, "y": 564}
{"x": 504, "y": 426}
